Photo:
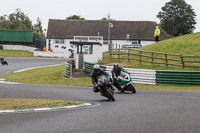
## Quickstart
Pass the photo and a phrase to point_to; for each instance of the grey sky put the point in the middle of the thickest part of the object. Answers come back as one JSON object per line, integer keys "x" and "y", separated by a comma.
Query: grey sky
{"x": 131, "y": 10}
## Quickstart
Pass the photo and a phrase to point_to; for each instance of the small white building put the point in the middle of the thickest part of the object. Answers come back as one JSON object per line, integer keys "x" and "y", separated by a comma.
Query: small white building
{"x": 61, "y": 32}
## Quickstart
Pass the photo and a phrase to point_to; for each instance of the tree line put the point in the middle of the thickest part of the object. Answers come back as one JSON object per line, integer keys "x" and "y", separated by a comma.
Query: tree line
{"x": 176, "y": 18}
{"x": 18, "y": 21}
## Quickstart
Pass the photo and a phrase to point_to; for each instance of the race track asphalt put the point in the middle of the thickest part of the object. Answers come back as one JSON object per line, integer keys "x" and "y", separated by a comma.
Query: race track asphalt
{"x": 146, "y": 111}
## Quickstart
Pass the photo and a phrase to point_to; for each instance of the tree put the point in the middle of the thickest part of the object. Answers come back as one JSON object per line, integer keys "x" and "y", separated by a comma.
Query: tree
{"x": 15, "y": 21}
{"x": 104, "y": 18}
{"x": 177, "y": 18}
{"x": 21, "y": 22}
{"x": 37, "y": 29}
{"x": 3, "y": 22}
{"x": 75, "y": 17}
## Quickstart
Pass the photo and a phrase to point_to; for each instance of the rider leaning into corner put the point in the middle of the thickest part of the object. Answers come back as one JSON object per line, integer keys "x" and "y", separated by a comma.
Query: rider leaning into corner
{"x": 97, "y": 71}
{"x": 1, "y": 58}
{"x": 116, "y": 71}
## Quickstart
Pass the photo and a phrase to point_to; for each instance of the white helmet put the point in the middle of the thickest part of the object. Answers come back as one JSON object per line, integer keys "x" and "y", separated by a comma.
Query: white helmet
{"x": 96, "y": 67}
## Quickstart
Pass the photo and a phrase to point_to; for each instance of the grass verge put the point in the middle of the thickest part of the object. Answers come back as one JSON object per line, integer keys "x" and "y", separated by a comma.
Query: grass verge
{"x": 15, "y": 53}
{"x": 56, "y": 76}
{"x": 46, "y": 76}
{"x": 13, "y": 104}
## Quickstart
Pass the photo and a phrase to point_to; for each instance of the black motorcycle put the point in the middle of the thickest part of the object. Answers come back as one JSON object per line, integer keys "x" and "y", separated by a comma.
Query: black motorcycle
{"x": 4, "y": 62}
{"x": 104, "y": 86}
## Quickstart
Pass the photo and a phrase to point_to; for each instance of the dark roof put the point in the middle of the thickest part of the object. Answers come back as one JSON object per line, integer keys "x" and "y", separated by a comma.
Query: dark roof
{"x": 138, "y": 30}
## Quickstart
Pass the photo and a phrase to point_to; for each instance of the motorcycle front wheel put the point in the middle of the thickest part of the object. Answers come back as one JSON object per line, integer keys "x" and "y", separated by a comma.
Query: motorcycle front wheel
{"x": 132, "y": 88}
{"x": 110, "y": 94}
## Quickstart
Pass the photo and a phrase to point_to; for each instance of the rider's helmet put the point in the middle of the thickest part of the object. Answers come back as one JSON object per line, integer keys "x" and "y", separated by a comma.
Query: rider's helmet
{"x": 96, "y": 68}
{"x": 116, "y": 66}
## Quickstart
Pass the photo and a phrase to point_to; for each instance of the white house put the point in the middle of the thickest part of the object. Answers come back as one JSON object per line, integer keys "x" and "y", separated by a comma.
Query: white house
{"x": 61, "y": 32}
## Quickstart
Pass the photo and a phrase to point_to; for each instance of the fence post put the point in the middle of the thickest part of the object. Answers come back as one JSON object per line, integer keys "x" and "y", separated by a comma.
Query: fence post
{"x": 140, "y": 57}
{"x": 118, "y": 54}
{"x": 166, "y": 60}
{"x": 110, "y": 53}
{"x": 128, "y": 55}
{"x": 152, "y": 57}
{"x": 183, "y": 64}
{"x": 70, "y": 64}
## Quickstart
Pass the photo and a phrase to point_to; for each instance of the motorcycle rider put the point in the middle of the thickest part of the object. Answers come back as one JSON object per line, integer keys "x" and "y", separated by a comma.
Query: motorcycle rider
{"x": 97, "y": 71}
{"x": 116, "y": 71}
{"x": 2, "y": 59}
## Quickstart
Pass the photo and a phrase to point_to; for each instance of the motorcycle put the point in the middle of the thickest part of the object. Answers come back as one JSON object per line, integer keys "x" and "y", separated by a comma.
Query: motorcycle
{"x": 104, "y": 86}
{"x": 125, "y": 83}
{"x": 4, "y": 62}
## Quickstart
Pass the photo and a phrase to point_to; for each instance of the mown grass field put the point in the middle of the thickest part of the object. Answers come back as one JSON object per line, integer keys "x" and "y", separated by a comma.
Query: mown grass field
{"x": 15, "y": 53}
{"x": 185, "y": 45}
{"x": 188, "y": 45}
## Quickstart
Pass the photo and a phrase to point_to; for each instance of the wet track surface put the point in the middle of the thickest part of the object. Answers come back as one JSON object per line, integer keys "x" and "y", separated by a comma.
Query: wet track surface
{"x": 146, "y": 111}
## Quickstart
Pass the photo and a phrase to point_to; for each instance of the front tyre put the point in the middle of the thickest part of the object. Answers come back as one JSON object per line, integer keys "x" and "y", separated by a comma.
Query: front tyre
{"x": 132, "y": 88}
{"x": 110, "y": 94}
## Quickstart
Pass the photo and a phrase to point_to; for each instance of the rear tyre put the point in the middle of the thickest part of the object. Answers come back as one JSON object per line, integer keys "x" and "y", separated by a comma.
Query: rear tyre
{"x": 132, "y": 88}
{"x": 110, "y": 94}
{"x": 122, "y": 91}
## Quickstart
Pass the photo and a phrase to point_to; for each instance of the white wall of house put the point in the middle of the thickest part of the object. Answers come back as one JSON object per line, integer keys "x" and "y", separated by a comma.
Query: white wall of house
{"x": 145, "y": 43}
{"x": 61, "y": 47}
{"x": 96, "y": 56}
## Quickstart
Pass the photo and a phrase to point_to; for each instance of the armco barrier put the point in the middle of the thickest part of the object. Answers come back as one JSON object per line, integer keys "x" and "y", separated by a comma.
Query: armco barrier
{"x": 181, "y": 78}
{"x": 89, "y": 66}
{"x": 156, "y": 77}
{"x": 140, "y": 76}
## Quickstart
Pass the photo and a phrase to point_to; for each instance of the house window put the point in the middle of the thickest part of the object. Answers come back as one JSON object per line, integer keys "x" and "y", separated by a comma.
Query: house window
{"x": 134, "y": 42}
{"x": 62, "y": 41}
{"x": 57, "y": 41}
{"x": 95, "y": 38}
{"x": 105, "y": 42}
{"x": 91, "y": 49}
{"x": 139, "y": 41}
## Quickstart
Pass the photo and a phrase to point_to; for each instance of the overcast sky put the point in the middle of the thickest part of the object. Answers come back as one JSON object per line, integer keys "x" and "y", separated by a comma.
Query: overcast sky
{"x": 131, "y": 10}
